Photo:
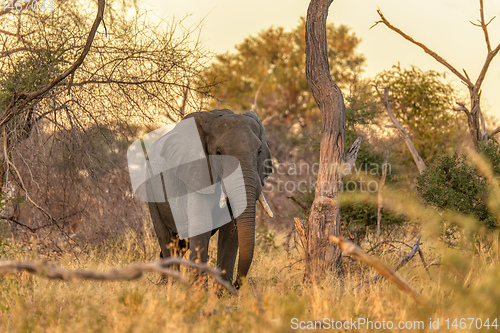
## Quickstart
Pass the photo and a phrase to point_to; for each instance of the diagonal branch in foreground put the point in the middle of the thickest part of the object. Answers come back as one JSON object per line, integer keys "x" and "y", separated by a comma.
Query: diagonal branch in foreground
{"x": 357, "y": 253}
{"x": 131, "y": 272}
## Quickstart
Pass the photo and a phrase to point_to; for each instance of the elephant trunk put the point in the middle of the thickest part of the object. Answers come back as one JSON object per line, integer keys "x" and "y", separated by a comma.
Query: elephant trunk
{"x": 246, "y": 241}
{"x": 246, "y": 224}
{"x": 242, "y": 199}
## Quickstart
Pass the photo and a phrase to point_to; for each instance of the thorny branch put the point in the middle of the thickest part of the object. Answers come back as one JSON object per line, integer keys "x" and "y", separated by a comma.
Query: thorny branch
{"x": 28, "y": 197}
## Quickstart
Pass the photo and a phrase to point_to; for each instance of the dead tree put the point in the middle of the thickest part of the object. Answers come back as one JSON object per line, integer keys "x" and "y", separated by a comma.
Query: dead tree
{"x": 475, "y": 119}
{"x": 324, "y": 219}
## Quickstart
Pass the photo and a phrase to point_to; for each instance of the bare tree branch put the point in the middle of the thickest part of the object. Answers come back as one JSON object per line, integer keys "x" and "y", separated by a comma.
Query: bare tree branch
{"x": 131, "y": 272}
{"x": 7, "y": 53}
{"x": 425, "y": 48}
{"x": 484, "y": 26}
{"x": 414, "y": 250}
{"x": 462, "y": 107}
{"x": 269, "y": 71}
{"x": 495, "y": 131}
{"x": 13, "y": 220}
{"x": 406, "y": 137}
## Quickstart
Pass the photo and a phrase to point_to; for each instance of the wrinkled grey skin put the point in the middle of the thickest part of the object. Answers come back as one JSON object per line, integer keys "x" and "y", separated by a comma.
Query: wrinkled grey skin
{"x": 224, "y": 133}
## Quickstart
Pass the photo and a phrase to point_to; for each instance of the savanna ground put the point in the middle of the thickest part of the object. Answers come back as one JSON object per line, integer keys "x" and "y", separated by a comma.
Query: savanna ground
{"x": 461, "y": 282}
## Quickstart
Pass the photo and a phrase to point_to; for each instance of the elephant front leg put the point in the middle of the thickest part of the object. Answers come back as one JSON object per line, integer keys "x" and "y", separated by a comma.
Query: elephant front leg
{"x": 227, "y": 250}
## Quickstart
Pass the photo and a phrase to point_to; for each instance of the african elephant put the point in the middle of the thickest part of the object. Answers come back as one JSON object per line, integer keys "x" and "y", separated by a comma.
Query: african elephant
{"x": 216, "y": 187}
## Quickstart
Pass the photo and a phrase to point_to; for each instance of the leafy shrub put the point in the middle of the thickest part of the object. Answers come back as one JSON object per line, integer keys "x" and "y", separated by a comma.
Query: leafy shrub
{"x": 452, "y": 183}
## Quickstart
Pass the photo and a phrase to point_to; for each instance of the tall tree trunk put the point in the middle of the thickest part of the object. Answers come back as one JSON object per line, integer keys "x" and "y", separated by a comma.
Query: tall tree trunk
{"x": 324, "y": 219}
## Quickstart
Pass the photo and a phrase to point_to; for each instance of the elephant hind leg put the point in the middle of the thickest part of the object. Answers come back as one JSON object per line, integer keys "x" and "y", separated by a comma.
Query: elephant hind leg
{"x": 162, "y": 232}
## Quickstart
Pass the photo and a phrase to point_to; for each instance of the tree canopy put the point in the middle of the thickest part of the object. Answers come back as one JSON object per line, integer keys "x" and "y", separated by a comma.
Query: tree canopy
{"x": 270, "y": 65}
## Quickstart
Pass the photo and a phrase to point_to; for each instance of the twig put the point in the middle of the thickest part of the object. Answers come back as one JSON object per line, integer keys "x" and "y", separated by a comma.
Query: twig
{"x": 357, "y": 253}
{"x": 351, "y": 236}
{"x": 410, "y": 256}
{"x": 300, "y": 204}
{"x": 414, "y": 250}
{"x": 269, "y": 71}
{"x": 13, "y": 220}
{"x": 131, "y": 272}
{"x": 21, "y": 183}
{"x": 301, "y": 230}
{"x": 461, "y": 107}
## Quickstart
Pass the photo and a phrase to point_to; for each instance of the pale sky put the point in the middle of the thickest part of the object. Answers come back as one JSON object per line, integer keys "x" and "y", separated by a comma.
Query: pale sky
{"x": 443, "y": 25}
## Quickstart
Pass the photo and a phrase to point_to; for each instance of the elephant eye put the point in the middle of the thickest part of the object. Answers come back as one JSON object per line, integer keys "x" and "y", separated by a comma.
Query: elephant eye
{"x": 218, "y": 152}
{"x": 260, "y": 151}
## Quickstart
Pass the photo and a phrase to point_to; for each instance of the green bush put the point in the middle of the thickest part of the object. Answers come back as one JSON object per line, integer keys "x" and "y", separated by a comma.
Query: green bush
{"x": 452, "y": 183}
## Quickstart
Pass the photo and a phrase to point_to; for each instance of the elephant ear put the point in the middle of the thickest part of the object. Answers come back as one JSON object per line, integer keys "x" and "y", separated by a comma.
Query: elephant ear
{"x": 187, "y": 150}
{"x": 264, "y": 163}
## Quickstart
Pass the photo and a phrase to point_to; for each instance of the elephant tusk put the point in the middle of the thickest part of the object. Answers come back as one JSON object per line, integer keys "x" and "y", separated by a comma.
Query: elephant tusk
{"x": 264, "y": 204}
{"x": 222, "y": 201}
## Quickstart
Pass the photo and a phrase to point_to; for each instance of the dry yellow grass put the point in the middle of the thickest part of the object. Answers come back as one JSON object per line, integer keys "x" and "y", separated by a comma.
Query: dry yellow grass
{"x": 465, "y": 285}
{"x": 464, "y": 282}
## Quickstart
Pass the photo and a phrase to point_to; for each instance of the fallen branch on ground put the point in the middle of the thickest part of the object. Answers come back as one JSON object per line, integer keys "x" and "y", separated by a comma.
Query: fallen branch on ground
{"x": 131, "y": 272}
{"x": 414, "y": 250}
{"x": 357, "y": 253}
